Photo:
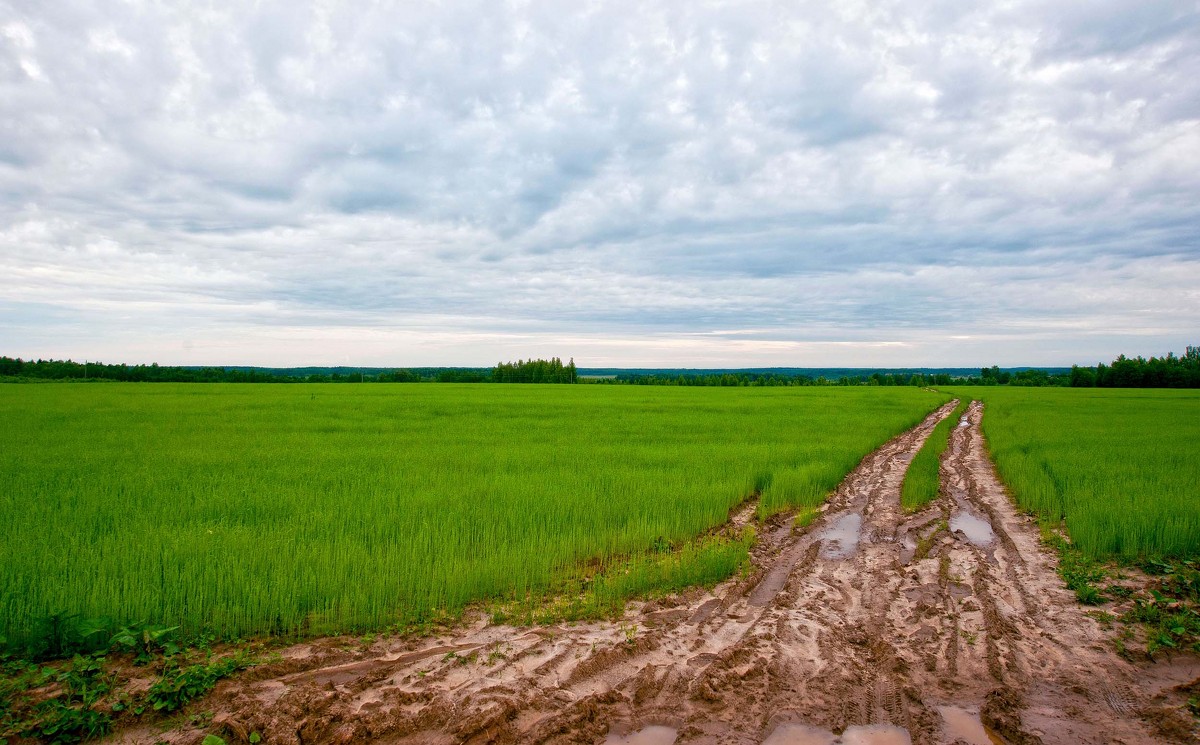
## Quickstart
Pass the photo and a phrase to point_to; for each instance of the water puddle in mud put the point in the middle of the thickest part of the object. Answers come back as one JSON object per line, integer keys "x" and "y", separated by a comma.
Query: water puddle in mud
{"x": 875, "y": 734}
{"x": 977, "y": 530}
{"x": 652, "y": 735}
{"x": 799, "y": 734}
{"x": 961, "y": 725}
{"x": 840, "y": 539}
{"x": 870, "y": 734}
{"x": 964, "y": 421}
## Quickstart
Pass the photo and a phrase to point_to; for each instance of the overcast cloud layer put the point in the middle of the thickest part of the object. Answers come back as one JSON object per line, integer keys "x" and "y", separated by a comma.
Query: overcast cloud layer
{"x": 675, "y": 184}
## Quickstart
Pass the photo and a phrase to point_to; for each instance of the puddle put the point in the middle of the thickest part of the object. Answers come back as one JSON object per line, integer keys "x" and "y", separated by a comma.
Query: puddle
{"x": 799, "y": 734}
{"x": 964, "y": 421}
{"x": 652, "y": 735}
{"x": 875, "y": 734}
{"x": 871, "y": 734}
{"x": 977, "y": 530}
{"x": 962, "y": 725}
{"x": 840, "y": 539}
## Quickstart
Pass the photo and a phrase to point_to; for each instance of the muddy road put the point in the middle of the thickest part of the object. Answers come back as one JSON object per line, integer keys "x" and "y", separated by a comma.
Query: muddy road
{"x": 869, "y": 626}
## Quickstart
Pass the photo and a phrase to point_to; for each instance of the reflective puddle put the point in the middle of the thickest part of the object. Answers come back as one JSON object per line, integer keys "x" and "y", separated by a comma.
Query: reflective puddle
{"x": 962, "y": 725}
{"x": 876, "y": 734}
{"x": 652, "y": 735}
{"x": 977, "y": 530}
{"x": 799, "y": 734}
{"x": 841, "y": 538}
{"x": 870, "y": 734}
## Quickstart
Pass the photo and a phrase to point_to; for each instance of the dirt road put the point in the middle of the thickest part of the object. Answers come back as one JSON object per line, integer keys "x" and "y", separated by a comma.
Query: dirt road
{"x": 948, "y": 626}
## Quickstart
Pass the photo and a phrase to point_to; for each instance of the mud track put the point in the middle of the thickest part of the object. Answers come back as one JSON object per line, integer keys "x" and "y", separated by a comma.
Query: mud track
{"x": 868, "y": 626}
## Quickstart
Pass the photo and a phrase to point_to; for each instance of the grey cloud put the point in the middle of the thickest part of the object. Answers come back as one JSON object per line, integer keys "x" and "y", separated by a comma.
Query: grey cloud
{"x": 522, "y": 174}
{"x": 1114, "y": 27}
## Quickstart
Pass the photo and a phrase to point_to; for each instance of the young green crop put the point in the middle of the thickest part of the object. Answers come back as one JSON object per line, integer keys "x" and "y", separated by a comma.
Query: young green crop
{"x": 1118, "y": 468}
{"x": 321, "y": 508}
{"x": 922, "y": 479}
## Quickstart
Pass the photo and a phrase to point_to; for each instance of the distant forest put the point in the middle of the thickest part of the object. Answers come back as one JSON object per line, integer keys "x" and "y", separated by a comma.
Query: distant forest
{"x": 522, "y": 371}
{"x": 1156, "y": 372}
{"x": 986, "y": 376}
{"x": 535, "y": 371}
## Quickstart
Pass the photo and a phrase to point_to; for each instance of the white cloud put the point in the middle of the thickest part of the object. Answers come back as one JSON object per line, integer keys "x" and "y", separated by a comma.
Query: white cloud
{"x": 863, "y": 183}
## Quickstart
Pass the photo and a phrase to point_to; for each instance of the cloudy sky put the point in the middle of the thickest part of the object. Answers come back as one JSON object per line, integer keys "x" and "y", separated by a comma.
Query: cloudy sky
{"x": 631, "y": 184}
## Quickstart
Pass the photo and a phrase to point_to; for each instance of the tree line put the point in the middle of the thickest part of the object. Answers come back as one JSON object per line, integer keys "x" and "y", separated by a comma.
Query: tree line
{"x": 1157, "y": 372}
{"x": 1170, "y": 371}
{"x": 772, "y": 380}
{"x": 16, "y": 368}
{"x": 522, "y": 371}
{"x": 536, "y": 371}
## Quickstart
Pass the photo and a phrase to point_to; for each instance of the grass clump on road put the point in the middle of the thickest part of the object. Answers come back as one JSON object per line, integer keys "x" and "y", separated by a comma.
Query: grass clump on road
{"x": 922, "y": 479}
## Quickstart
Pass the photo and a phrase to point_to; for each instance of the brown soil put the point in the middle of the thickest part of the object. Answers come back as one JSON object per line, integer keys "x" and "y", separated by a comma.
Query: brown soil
{"x": 868, "y": 626}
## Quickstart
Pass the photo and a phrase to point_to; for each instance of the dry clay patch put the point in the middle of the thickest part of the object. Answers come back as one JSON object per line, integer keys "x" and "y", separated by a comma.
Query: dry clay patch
{"x": 866, "y": 627}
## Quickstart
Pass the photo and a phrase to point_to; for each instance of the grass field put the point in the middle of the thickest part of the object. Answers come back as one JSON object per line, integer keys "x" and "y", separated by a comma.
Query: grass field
{"x": 245, "y": 509}
{"x": 1119, "y": 468}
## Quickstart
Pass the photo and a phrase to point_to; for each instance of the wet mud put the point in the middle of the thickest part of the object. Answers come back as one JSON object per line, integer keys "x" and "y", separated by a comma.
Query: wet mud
{"x": 867, "y": 627}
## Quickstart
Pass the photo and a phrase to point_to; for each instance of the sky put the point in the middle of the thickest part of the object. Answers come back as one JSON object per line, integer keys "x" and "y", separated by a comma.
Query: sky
{"x": 657, "y": 184}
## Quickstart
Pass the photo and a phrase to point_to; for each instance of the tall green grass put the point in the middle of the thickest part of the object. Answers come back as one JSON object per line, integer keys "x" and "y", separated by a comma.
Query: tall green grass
{"x": 323, "y": 508}
{"x": 1119, "y": 468}
{"x": 806, "y": 485}
{"x": 702, "y": 562}
{"x": 922, "y": 479}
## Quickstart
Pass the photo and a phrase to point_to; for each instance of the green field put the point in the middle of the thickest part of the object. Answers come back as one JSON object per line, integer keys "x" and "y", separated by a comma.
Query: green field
{"x": 1118, "y": 468}
{"x": 246, "y": 509}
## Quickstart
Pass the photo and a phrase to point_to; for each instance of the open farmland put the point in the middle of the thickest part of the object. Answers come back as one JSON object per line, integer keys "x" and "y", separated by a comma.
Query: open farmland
{"x": 865, "y": 624}
{"x": 316, "y": 509}
{"x": 853, "y": 619}
{"x": 1119, "y": 469}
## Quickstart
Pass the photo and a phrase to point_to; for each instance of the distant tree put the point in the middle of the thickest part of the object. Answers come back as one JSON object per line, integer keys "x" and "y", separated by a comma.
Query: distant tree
{"x": 399, "y": 376}
{"x": 1082, "y": 377}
